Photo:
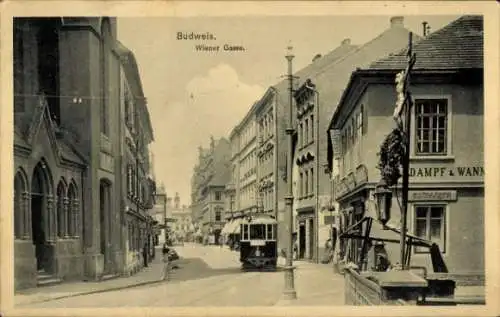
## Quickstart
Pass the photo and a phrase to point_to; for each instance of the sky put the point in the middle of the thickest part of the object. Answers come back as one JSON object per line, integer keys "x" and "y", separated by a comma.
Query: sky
{"x": 195, "y": 94}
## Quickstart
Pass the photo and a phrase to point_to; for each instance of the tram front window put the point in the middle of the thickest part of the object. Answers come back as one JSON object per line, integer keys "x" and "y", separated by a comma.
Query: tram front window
{"x": 258, "y": 232}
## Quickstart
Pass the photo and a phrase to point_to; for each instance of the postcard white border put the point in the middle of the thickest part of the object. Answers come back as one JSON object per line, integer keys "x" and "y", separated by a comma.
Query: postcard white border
{"x": 490, "y": 11}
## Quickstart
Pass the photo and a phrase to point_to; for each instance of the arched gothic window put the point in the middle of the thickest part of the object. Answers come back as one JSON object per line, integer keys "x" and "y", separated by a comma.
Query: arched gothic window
{"x": 61, "y": 210}
{"x": 19, "y": 215}
{"x": 72, "y": 213}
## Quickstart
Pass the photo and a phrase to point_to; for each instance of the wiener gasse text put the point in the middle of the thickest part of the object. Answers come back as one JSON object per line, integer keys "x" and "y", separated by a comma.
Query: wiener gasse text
{"x": 205, "y": 42}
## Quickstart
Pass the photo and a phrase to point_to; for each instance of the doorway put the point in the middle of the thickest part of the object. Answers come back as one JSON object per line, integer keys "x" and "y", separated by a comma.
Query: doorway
{"x": 302, "y": 240}
{"x": 311, "y": 238}
{"x": 104, "y": 212}
{"x": 38, "y": 222}
{"x": 38, "y": 233}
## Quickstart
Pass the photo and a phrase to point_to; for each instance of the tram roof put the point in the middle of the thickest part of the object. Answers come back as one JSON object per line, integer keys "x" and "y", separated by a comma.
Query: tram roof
{"x": 259, "y": 220}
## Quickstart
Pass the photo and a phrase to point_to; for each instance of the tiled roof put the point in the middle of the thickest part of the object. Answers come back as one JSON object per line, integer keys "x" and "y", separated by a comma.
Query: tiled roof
{"x": 458, "y": 45}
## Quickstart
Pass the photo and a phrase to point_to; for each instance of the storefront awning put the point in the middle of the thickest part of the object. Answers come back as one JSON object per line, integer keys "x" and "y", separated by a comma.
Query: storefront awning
{"x": 235, "y": 229}
{"x": 227, "y": 226}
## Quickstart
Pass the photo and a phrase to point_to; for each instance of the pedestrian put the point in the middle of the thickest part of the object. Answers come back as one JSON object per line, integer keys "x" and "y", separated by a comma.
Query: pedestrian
{"x": 295, "y": 251}
{"x": 221, "y": 241}
{"x": 166, "y": 262}
{"x": 145, "y": 254}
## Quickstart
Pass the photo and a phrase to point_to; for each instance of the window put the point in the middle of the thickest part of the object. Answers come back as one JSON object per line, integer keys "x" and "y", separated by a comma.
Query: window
{"x": 270, "y": 232}
{"x": 301, "y": 135}
{"x": 301, "y": 189}
{"x": 129, "y": 179}
{"x": 218, "y": 215}
{"x": 306, "y": 134}
{"x": 312, "y": 127}
{"x": 245, "y": 233}
{"x": 258, "y": 231}
{"x": 430, "y": 225}
{"x": 217, "y": 195}
{"x": 359, "y": 134}
{"x": 312, "y": 180}
{"x": 306, "y": 186}
{"x": 431, "y": 126}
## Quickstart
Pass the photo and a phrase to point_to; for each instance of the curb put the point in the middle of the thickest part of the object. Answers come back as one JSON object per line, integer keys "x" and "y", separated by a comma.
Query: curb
{"x": 111, "y": 289}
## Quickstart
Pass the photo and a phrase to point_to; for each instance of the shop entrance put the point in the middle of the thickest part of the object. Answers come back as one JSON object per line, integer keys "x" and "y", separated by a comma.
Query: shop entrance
{"x": 302, "y": 240}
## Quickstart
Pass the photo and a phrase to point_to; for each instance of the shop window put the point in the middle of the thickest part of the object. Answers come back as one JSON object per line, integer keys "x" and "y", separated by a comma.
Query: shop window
{"x": 430, "y": 224}
{"x": 431, "y": 126}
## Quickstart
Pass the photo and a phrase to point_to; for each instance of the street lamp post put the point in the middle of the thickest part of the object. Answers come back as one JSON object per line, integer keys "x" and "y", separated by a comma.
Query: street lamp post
{"x": 289, "y": 291}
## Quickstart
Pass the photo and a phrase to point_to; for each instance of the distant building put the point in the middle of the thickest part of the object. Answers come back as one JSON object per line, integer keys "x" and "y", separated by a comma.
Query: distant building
{"x": 447, "y": 154}
{"x": 208, "y": 182}
{"x": 181, "y": 226}
{"x": 159, "y": 212}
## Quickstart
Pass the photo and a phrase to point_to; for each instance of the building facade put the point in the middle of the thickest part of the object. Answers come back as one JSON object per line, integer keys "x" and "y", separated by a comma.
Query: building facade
{"x": 242, "y": 187}
{"x": 446, "y": 196}
{"x": 211, "y": 174}
{"x": 266, "y": 153}
{"x": 67, "y": 150}
{"x": 318, "y": 91}
{"x": 159, "y": 214}
{"x": 231, "y": 193}
{"x": 137, "y": 182}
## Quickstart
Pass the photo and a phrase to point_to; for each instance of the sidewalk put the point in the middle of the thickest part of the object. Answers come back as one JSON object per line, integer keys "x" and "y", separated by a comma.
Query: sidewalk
{"x": 148, "y": 275}
{"x": 316, "y": 284}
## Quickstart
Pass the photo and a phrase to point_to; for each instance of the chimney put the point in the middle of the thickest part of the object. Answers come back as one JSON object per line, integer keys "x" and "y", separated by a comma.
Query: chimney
{"x": 346, "y": 42}
{"x": 316, "y": 57}
{"x": 397, "y": 21}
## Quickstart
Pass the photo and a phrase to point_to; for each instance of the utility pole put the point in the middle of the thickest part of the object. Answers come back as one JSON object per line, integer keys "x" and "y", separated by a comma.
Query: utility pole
{"x": 289, "y": 292}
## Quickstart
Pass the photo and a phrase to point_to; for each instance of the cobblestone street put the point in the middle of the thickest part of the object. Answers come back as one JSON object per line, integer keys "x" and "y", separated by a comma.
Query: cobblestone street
{"x": 206, "y": 276}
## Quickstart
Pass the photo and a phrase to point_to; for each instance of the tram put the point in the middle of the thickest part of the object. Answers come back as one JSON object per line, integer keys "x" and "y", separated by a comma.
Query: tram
{"x": 258, "y": 248}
